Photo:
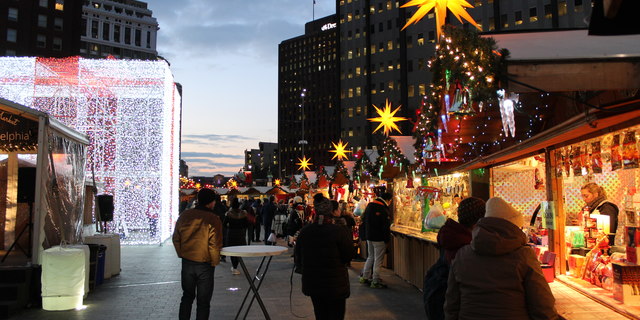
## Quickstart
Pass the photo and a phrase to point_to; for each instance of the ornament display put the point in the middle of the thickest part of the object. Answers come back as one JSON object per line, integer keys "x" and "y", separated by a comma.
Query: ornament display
{"x": 616, "y": 157}
{"x": 630, "y": 150}
{"x": 387, "y": 119}
{"x": 457, "y": 7}
{"x": 507, "y": 107}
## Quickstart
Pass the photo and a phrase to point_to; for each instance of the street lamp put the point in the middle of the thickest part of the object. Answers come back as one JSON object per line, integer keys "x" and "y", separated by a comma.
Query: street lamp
{"x": 302, "y": 142}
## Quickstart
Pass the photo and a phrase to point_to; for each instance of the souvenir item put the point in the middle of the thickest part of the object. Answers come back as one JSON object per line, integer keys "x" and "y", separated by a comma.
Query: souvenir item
{"x": 559, "y": 163}
{"x": 616, "y": 159}
{"x": 576, "y": 161}
{"x": 596, "y": 158}
{"x": 630, "y": 150}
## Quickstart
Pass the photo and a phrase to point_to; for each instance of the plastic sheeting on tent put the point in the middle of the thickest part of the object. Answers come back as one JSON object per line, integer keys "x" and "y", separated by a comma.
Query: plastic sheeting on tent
{"x": 57, "y": 199}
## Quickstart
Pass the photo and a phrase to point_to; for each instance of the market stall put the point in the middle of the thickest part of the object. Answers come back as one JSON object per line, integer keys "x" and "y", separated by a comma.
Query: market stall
{"x": 50, "y": 181}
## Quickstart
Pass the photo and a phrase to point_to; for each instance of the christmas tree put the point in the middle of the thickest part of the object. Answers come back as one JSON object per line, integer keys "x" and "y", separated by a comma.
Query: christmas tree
{"x": 391, "y": 161}
{"x": 322, "y": 177}
{"x": 340, "y": 174}
{"x": 363, "y": 168}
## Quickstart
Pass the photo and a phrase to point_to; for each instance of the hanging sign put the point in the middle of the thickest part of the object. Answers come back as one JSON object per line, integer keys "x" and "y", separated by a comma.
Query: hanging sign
{"x": 17, "y": 133}
{"x": 548, "y": 214}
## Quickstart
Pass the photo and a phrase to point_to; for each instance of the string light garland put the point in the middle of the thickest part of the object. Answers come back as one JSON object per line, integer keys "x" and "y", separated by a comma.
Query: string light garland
{"x": 130, "y": 109}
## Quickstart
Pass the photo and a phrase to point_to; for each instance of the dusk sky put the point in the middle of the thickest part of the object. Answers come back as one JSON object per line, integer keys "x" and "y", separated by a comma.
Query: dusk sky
{"x": 225, "y": 55}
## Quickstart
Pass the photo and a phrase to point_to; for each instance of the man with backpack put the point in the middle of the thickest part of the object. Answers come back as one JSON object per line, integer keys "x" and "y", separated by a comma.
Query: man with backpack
{"x": 451, "y": 237}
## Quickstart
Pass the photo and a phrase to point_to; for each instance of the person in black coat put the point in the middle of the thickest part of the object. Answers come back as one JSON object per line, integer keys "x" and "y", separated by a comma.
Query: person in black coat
{"x": 322, "y": 251}
{"x": 268, "y": 212}
{"x": 376, "y": 229}
{"x": 235, "y": 225}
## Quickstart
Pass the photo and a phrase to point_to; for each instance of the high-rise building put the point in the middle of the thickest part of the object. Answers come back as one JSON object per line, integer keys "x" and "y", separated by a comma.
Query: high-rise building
{"x": 124, "y": 29}
{"x": 308, "y": 95}
{"x": 42, "y": 28}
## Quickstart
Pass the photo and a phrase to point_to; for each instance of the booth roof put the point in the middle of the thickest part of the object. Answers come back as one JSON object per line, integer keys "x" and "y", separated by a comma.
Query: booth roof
{"x": 567, "y": 44}
{"x": 35, "y": 115}
{"x": 405, "y": 143}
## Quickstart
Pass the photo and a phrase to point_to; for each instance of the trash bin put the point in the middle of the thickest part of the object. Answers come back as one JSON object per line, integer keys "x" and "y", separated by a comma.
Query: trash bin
{"x": 100, "y": 264}
{"x": 93, "y": 265}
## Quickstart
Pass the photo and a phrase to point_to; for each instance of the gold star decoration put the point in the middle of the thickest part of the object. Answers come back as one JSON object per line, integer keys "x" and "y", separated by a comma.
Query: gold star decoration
{"x": 387, "y": 119}
{"x": 304, "y": 163}
{"x": 340, "y": 151}
{"x": 276, "y": 182}
{"x": 457, "y": 7}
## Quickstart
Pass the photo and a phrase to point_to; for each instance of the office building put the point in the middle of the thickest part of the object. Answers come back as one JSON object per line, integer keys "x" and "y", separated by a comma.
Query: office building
{"x": 124, "y": 29}
{"x": 262, "y": 161}
{"x": 308, "y": 95}
{"x": 42, "y": 28}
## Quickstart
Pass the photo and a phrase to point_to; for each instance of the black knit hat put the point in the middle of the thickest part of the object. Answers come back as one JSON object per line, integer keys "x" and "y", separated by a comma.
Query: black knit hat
{"x": 470, "y": 210}
{"x": 206, "y": 196}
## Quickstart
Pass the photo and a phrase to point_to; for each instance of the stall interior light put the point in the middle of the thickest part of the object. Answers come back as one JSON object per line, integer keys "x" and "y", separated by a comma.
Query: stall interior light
{"x": 130, "y": 109}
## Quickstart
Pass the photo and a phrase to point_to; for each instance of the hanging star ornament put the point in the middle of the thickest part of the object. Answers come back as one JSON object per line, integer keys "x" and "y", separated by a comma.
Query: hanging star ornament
{"x": 387, "y": 119}
{"x": 340, "y": 151}
{"x": 304, "y": 163}
{"x": 457, "y": 7}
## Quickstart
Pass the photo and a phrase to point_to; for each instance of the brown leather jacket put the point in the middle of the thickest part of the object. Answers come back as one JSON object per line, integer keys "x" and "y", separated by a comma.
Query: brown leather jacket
{"x": 198, "y": 236}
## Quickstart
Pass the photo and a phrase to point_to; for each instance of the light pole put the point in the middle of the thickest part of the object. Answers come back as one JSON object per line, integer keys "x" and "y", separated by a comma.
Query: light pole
{"x": 302, "y": 142}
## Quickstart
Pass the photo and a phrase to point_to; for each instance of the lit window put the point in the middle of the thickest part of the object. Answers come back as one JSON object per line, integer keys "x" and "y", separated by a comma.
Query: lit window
{"x": 518, "y": 18}
{"x": 420, "y": 39}
{"x": 505, "y": 21}
{"x": 12, "y": 35}
{"x": 349, "y": 17}
{"x": 41, "y": 41}
{"x": 42, "y": 21}
{"x": 60, "y": 5}
{"x": 389, "y": 5}
{"x": 547, "y": 11}
{"x": 390, "y": 85}
{"x": 562, "y": 8}
{"x": 358, "y": 110}
{"x": 422, "y": 89}
{"x": 358, "y": 92}
{"x": 12, "y": 14}
{"x": 358, "y": 71}
{"x": 373, "y": 49}
{"x": 350, "y": 92}
{"x": 410, "y": 89}
{"x": 390, "y": 66}
{"x": 390, "y": 45}
{"x": 533, "y": 14}
{"x": 578, "y": 5}
{"x": 350, "y": 54}
{"x": 350, "y": 113}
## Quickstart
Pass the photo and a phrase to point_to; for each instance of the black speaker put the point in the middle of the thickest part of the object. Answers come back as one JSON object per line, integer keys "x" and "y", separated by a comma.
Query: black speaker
{"x": 26, "y": 185}
{"x": 105, "y": 206}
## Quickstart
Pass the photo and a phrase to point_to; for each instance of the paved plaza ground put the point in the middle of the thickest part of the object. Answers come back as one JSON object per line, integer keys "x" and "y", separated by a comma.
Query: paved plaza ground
{"x": 148, "y": 287}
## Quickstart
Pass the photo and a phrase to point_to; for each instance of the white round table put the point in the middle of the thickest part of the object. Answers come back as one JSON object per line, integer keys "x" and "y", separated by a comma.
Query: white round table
{"x": 253, "y": 251}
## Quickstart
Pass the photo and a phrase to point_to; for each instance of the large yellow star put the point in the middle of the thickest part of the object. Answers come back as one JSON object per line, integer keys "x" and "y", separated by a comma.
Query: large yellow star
{"x": 387, "y": 119}
{"x": 457, "y": 7}
{"x": 304, "y": 163}
{"x": 339, "y": 151}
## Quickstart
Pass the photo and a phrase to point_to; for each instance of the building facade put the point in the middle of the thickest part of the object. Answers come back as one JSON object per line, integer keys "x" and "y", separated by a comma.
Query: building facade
{"x": 42, "y": 28}
{"x": 308, "y": 95}
{"x": 124, "y": 29}
{"x": 263, "y": 161}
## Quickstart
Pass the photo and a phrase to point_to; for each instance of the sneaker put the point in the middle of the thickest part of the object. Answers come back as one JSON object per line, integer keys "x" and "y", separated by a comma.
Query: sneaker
{"x": 377, "y": 285}
{"x": 364, "y": 280}
{"x": 234, "y": 271}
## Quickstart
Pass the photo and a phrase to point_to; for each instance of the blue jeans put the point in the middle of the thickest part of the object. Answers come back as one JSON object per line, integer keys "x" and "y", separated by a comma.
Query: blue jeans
{"x": 197, "y": 283}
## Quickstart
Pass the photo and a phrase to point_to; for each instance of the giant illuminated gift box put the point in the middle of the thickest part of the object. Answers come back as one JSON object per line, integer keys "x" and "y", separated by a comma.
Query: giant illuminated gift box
{"x": 130, "y": 109}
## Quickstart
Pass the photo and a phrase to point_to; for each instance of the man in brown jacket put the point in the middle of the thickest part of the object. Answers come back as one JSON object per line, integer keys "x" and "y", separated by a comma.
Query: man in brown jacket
{"x": 198, "y": 239}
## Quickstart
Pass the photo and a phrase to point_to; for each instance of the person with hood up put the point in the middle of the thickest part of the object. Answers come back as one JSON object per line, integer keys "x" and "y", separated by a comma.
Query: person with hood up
{"x": 321, "y": 253}
{"x": 451, "y": 237}
{"x": 497, "y": 276}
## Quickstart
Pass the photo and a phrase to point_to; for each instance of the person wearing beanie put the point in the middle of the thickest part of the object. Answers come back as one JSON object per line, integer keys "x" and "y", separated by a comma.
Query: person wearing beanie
{"x": 322, "y": 251}
{"x": 197, "y": 240}
{"x": 376, "y": 230}
{"x": 497, "y": 275}
{"x": 452, "y": 236}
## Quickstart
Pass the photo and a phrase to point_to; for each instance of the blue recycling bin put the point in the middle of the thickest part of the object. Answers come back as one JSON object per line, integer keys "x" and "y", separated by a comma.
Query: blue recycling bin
{"x": 100, "y": 264}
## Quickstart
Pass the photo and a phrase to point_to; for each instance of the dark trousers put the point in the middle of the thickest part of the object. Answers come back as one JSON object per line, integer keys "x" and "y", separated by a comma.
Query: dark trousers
{"x": 250, "y": 233}
{"x": 257, "y": 228}
{"x": 197, "y": 283}
{"x": 267, "y": 232}
{"x": 328, "y": 309}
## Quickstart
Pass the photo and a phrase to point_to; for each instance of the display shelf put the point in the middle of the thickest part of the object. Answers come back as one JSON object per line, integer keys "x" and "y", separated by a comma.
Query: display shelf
{"x": 431, "y": 236}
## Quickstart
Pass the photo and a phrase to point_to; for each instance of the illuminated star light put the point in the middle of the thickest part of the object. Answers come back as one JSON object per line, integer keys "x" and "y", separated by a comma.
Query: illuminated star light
{"x": 387, "y": 119}
{"x": 304, "y": 163}
{"x": 457, "y": 7}
{"x": 339, "y": 151}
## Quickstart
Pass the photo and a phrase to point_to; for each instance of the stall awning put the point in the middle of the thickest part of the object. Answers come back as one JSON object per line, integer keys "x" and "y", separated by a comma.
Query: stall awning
{"x": 578, "y": 128}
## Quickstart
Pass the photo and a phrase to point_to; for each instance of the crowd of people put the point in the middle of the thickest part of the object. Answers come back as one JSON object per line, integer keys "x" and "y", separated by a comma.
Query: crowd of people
{"x": 486, "y": 269}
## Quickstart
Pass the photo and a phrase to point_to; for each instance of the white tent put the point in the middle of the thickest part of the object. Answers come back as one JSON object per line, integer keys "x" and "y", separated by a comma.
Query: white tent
{"x": 54, "y": 192}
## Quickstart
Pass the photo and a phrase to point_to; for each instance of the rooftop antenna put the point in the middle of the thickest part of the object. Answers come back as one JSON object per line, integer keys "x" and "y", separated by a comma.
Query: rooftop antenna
{"x": 313, "y": 17}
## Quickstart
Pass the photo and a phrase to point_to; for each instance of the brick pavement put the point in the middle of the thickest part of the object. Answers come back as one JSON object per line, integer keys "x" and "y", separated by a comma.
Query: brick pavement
{"x": 148, "y": 287}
